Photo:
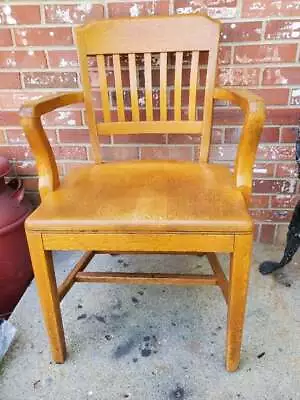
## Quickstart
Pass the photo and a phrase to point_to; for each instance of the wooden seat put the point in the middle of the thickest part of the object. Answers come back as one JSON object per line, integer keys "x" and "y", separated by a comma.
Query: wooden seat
{"x": 145, "y": 206}
{"x": 145, "y": 196}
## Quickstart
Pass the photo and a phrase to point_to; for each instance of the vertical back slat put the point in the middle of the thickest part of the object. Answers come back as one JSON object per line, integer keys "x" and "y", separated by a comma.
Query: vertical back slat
{"x": 119, "y": 87}
{"x": 163, "y": 86}
{"x": 88, "y": 100}
{"x": 103, "y": 88}
{"x": 148, "y": 87}
{"x": 193, "y": 85}
{"x": 208, "y": 104}
{"x": 133, "y": 88}
{"x": 178, "y": 85}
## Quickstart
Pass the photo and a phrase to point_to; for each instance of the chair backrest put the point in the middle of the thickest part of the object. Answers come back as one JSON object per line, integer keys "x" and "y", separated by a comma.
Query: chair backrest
{"x": 136, "y": 40}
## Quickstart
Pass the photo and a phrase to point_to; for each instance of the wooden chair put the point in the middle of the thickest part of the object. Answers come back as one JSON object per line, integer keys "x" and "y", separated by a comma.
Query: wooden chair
{"x": 145, "y": 206}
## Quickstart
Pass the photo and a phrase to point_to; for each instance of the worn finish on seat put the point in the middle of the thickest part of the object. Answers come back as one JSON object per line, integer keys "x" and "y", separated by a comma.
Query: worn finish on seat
{"x": 145, "y": 196}
{"x": 145, "y": 206}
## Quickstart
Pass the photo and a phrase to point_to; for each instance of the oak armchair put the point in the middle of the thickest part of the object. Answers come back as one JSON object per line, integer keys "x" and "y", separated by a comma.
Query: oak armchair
{"x": 168, "y": 206}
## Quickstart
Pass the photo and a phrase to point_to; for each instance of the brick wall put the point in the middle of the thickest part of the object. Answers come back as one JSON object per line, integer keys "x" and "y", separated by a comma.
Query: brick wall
{"x": 259, "y": 49}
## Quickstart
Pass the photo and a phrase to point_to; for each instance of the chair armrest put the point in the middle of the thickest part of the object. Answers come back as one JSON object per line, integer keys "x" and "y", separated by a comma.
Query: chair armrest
{"x": 254, "y": 111}
{"x": 30, "y": 114}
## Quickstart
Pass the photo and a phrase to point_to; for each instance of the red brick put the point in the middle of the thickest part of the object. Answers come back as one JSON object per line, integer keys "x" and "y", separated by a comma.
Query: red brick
{"x": 267, "y": 233}
{"x": 30, "y": 184}
{"x": 25, "y": 168}
{"x": 113, "y": 115}
{"x": 267, "y": 53}
{"x": 43, "y": 36}
{"x": 62, "y": 117}
{"x": 241, "y": 31}
{"x": 281, "y": 76}
{"x": 282, "y": 116}
{"x": 274, "y": 8}
{"x": 185, "y": 98}
{"x": 117, "y": 153}
{"x": 5, "y": 37}
{"x": 276, "y": 153}
{"x": 263, "y": 170}
{"x": 50, "y": 79}
{"x": 10, "y": 80}
{"x": 9, "y": 118}
{"x": 20, "y": 15}
{"x": 222, "y": 153}
{"x": 289, "y": 134}
{"x": 216, "y": 9}
{"x": 284, "y": 201}
{"x": 271, "y": 215}
{"x": 224, "y": 55}
{"x": 73, "y": 14}
{"x": 295, "y": 97}
{"x": 22, "y": 59}
{"x": 63, "y": 58}
{"x": 183, "y": 139}
{"x": 227, "y": 116}
{"x": 269, "y": 135}
{"x": 259, "y": 201}
{"x": 167, "y": 153}
{"x": 238, "y": 76}
{"x": 143, "y": 8}
{"x": 70, "y": 152}
{"x": 274, "y": 96}
{"x": 217, "y": 136}
{"x": 273, "y": 186}
{"x": 16, "y": 152}
{"x": 14, "y": 100}
{"x": 79, "y": 136}
{"x": 280, "y": 30}
{"x": 140, "y": 139}
{"x": 17, "y": 136}
{"x": 288, "y": 170}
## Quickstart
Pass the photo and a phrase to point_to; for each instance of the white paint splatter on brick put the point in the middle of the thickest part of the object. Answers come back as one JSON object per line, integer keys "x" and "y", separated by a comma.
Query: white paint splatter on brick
{"x": 7, "y": 17}
{"x": 257, "y": 5}
{"x": 280, "y": 79}
{"x": 64, "y": 14}
{"x": 26, "y": 164}
{"x": 214, "y": 10}
{"x": 134, "y": 11}
{"x": 260, "y": 170}
{"x": 85, "y": 6}
{"x": 142, "y": 101}
{"x": 11, "y": 62}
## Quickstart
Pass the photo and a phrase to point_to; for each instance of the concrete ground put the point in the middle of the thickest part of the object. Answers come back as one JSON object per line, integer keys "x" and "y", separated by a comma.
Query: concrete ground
{"x": 156, "y": 342}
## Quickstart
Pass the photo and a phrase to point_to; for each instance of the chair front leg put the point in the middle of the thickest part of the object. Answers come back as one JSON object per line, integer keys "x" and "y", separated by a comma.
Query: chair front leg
{"x": 47, "y": 289}
{"x": 238, "y": 285}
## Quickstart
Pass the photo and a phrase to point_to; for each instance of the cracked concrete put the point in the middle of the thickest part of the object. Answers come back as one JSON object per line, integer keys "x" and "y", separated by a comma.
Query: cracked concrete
{"x": 159, "y": 342}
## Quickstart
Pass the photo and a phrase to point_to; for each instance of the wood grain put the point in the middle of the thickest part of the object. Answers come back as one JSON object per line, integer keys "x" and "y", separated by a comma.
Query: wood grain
{"x": 147, "y": 278}
{"x": 43, "y": 269}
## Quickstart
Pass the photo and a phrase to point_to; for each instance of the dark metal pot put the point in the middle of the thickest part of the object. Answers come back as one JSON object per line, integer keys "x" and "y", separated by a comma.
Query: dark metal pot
{"x": 15, "y": 265}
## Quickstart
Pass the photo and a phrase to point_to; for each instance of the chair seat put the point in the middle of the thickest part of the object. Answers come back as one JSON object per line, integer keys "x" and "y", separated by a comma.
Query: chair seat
{"x": 149, "y": 196}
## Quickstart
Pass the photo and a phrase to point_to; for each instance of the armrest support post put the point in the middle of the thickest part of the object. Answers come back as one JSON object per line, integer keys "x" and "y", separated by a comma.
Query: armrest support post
{"x": 30, "y": 114}
{"x": 254, "y": 112}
